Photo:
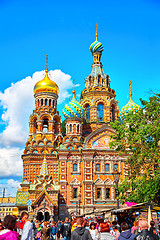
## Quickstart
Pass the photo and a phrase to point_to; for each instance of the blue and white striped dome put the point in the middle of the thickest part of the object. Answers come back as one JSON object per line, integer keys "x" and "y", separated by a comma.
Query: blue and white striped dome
{"x": 96, "y": 47}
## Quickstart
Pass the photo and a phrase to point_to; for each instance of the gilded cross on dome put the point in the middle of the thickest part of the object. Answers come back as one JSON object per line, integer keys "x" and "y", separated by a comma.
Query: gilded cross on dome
{"x": 73, "y": 88}
{"x": 96, "y": 32}
{"x": 130, "y": 94}
{"x": 47, "y": 62}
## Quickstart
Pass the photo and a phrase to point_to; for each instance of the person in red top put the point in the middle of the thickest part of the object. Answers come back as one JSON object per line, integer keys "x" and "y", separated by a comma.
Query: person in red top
{"x": 20, "y": 225}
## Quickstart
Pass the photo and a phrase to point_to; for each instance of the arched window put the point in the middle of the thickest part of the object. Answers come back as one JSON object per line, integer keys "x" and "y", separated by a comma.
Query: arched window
{"x": 87, "y": 113}
{"x": 107, "y": 81}
{"x": 112, "y": 113}
{"x": 38, "y": 103}
{"x": 53, "y": 103}
{"x": 35, "y": 126}
{"x": 75, "y": 167}
{"x": 49, "y": 102}
{"x": 98, "y": 167}
{"x": 75, "y": 192}
{"x": 98, "y": 193}
{"x": 78, "y": 128}
{"x": 42, "y": 102}
{"x": 46, "y": 102}
{"x": 115, "y": 167}
{"x": 70, "y": 127}
{"x": 45, "y": 125}
{"x": 99, "y": 80}
{"x": 107, "y": 167}
{"x": 100, "y": 112}
{"x": 108, "y": 193}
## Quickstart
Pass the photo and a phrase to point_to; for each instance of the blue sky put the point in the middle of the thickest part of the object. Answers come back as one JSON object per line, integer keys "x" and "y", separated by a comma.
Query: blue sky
{"x": 129, "y": 31}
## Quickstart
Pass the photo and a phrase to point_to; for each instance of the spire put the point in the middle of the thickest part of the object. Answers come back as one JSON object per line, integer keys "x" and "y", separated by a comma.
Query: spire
{"x": 46, "y": 62}
{"x": 130, "y": 94}
{"x": 96, "y": 32}
{"x": 44, "y": 168}
{"x": 73, "y": 88}
{"x": 96, "y": 46}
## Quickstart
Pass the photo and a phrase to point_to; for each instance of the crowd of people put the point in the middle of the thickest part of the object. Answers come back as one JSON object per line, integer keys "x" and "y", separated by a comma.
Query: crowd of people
{"x": 77, "y": 229}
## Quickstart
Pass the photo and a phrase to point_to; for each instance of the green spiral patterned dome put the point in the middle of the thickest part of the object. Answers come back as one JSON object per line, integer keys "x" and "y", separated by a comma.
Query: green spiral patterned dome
{"x": 130, "y": 107}
{"x": 73, "y": 109}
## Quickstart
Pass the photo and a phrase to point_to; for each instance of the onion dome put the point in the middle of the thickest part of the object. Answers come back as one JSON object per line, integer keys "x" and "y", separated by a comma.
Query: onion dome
{"x": 73, "y": 108}
{"x": 96, "y": 46}
{"x": 130, "y": 106}
{"x": 46, "y": 85}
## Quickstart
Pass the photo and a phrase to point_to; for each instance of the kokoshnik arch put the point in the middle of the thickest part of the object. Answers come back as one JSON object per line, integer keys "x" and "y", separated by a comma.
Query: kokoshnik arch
{"x": 64, "y": 174}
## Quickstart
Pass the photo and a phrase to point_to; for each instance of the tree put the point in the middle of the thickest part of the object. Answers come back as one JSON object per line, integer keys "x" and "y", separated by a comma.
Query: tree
{"x": 138, "y": 136}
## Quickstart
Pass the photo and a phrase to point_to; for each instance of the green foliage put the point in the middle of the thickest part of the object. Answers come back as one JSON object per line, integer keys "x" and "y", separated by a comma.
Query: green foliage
{"x": 138, "y": 136}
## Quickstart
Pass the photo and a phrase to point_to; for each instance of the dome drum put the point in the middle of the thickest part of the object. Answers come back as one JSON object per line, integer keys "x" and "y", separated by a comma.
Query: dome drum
{"x": 74, "y": 119}
{"x": 46, "y": 94}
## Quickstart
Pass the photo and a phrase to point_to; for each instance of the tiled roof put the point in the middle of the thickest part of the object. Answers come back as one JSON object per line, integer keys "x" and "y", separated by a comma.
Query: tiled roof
{"x": 22, "y": 198}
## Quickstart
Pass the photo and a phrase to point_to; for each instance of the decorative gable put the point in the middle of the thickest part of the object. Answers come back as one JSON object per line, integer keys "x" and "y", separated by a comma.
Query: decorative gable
{"x": 75, "y": 182}
{"x": 108, "y": 182}
{"x": 99, "y": 182}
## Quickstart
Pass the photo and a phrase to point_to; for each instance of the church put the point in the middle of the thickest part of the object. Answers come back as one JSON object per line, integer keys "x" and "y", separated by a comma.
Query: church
{"x": 71, "y": 171}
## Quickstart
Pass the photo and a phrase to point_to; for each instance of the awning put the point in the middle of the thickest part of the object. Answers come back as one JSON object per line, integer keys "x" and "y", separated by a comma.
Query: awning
{"x": 138, "y": 207}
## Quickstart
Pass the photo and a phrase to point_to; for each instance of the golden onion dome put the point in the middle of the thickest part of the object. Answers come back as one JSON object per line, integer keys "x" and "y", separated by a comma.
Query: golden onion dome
{"x": 46, "y": 85}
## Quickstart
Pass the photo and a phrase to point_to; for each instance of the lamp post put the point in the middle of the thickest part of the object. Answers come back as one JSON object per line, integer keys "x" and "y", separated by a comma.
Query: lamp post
{"x": 116, "y": 180}
{"x": 44, "y": 202}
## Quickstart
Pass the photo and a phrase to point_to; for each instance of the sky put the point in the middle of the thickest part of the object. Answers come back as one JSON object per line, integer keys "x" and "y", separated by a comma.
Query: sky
{"x": 129, "y": 31}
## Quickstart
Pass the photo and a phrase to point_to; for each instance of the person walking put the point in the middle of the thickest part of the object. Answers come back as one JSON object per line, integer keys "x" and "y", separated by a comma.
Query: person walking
{"x": 10, "y": 224}
{"x": 115, "y": 231}
{"x": 126, "y": 232}
{"x": 80, "y": 233}
{"x": 105, "y": 232}
{"x": 45, "y": 231}
{"x": 53, "y": 231}
{"x": 93, "y": 231}
{"x": 20, "y": 226}
{"x": 27, "y": 229}
{"x": 134, "y": 229}
{"x": 66, "y": 229}
{"x": 59, "y": 224}
{"x": 38, "y": 231}
{"x": 145, "y": 234}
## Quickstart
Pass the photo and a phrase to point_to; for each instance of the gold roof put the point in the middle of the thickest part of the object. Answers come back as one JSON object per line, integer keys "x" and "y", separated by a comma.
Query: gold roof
{"x": 46, "y": 85}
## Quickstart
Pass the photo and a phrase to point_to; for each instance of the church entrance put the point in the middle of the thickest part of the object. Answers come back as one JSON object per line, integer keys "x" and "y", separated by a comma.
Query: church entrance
{"x": 40, "y": 216}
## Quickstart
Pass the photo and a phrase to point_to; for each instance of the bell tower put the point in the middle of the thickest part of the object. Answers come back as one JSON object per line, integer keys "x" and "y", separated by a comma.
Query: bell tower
{"x": 98, "y": 99}
{"x": 44, "y": 129}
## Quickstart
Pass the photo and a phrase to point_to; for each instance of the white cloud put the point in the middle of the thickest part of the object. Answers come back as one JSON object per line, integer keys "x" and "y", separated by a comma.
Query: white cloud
{"x": 11, "y": 163}
{"x": 64, "y": 83}
{"x": 17, "y": 102}
{"x": 13, "y": 183}
{"x": 10, "y": 187}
